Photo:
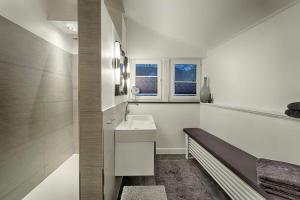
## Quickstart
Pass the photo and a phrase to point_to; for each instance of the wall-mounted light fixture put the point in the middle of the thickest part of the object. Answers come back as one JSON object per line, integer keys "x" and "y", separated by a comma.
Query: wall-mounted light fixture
{"x": 116, "y": 67}
{"x": 126, "y": 75}
{"x": 121, "y": 70}
{"x": 117, "y": 50}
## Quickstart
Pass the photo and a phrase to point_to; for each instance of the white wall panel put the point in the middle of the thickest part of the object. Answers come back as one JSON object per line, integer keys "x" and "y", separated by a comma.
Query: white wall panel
{"x": 170, "y": 119}
{"x": 259, "y": 69}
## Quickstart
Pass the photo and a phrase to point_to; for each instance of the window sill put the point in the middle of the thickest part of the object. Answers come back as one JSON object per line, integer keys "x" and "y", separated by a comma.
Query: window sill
{"x": 164, "y": 102}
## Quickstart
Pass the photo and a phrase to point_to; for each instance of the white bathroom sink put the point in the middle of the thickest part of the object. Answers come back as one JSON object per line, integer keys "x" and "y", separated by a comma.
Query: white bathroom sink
{"x": 137, "y": 128}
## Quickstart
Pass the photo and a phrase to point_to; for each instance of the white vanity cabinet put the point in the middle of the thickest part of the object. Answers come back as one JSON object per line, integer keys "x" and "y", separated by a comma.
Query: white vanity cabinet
{"x": 135, "y": 146}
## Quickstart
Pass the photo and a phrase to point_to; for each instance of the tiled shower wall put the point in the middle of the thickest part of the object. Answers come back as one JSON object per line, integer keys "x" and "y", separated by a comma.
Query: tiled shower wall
{"x": 36, "y": 109}
{"x": 75, "y": 102}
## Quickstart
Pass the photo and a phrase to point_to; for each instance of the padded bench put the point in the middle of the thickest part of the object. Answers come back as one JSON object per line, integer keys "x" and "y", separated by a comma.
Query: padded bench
{"x": 233, "y": 169}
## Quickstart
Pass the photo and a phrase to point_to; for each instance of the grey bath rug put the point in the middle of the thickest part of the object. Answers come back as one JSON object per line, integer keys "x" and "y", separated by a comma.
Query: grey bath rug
{"x": 184, "y": 180}
{"x": 144, "y": 193}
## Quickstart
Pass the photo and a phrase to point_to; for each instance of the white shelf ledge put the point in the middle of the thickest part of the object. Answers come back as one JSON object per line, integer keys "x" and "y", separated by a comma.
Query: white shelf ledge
{"x": 272, "y": 114}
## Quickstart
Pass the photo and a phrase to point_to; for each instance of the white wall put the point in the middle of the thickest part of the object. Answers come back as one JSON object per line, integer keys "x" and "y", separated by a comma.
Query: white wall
{"x": 177, "y": 28}
{"x": 143, "y": 41}
{"x": 113, "y": 110}
{"x": 261, "y": 136}
{"x": 258, "y": 69}
{"x": 32, "y": 15}
{"x": 170, "y": 119}
{"x": 109, "y": 36}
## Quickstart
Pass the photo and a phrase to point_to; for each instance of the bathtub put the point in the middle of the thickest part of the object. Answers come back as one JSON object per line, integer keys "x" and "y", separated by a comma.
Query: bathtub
{"x": 62, "y": 184}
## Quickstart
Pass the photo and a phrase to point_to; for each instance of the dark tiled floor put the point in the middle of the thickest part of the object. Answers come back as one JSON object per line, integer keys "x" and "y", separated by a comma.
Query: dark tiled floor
{"x": 183, "y": 179}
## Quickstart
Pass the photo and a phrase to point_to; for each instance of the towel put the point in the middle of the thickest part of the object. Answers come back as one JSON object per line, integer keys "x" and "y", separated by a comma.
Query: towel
{"x": 279, "y": 186}
{"x": 279, "y": 178}
{"x": 293, "y": 113}
{"x": 279, "y": 172}
{"x": 294, "y": 106}
{"x": 280, "y": 194}
{"x": 275, "y": 197}
{"x": 277, "y": 189}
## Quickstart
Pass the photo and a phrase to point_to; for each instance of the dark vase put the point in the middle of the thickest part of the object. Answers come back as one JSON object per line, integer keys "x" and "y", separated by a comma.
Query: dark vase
{"x": 205, "y": 95}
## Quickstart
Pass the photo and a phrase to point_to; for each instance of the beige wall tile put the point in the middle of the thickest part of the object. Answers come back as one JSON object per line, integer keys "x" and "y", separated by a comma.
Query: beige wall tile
{"x": 59, "y": 61}
{"x": 36, "y": 109}
{"x": 28, "y": 50}
{"x": 20, "y": 127}
{"x": 75, "y": 102}
{"x": 76, "y": 137}
{"x": 91, "y": 185}
{"x": 91, "y": 135}
{"x": 91, "y": 139}
{"x": 22, "y": 166}
{"x": 58, "y": 115}
{"x": 21, "y": 47}
{"x": 90, "y": 96}
{"x": 75, "y": 112}
{"x": 20, "y": 85}
{"x": 57, "y": 88}
{"x": 75, "y": 71}
{"x": 21, "y": 190}
{"x": 119, "y": 112}
{"x": 59, "y": 146}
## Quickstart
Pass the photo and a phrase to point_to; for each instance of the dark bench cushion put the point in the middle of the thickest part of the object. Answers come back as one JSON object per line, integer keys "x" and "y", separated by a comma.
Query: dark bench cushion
{"x": 241, "y": 163}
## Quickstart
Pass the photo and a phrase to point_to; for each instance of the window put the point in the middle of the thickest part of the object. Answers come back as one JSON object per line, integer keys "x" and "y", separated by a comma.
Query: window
{"x": 185, "y": 80}
{"x": 146, "y": 77}
{"x": 166, "y": 80}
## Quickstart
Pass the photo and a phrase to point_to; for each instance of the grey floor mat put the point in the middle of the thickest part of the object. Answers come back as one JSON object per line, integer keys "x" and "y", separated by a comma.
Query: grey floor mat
{"x": 144, "y": 193}
{"x": 183, "y": 179}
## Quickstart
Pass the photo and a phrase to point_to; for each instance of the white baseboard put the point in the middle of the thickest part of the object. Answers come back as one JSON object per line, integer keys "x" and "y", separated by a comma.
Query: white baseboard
{"x": 170, "y": 150}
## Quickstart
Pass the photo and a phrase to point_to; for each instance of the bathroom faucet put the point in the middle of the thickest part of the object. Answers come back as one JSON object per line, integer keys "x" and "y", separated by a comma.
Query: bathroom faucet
{"x": 126, "y": 112}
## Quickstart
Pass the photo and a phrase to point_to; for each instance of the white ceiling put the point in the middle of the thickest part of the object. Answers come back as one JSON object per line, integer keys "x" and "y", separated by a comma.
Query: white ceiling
{"x": 192, "y": 24}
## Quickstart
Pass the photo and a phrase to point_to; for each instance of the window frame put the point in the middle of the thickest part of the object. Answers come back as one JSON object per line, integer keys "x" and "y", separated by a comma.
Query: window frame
{"x": 172, "y": 96}
{"x": 159, "y": 78}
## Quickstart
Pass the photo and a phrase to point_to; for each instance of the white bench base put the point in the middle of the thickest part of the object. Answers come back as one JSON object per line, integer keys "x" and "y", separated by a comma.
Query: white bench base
{"x": 235, "y": 187}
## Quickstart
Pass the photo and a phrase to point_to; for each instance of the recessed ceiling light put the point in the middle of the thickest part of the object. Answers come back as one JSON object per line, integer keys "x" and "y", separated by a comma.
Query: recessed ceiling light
{"x": 71, "y": 27}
